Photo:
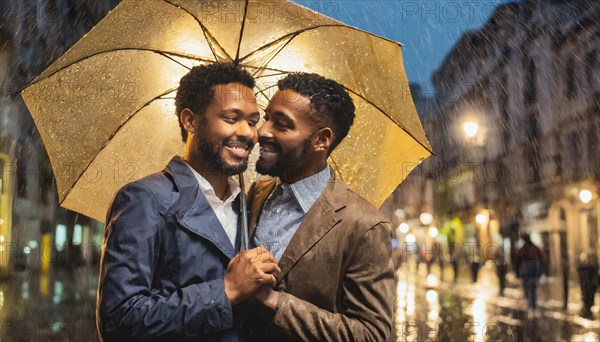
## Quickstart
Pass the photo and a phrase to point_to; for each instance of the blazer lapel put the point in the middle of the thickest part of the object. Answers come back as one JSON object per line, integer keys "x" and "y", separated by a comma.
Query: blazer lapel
{"x": 192, "y": 210}
{"x": 321, "y": 217}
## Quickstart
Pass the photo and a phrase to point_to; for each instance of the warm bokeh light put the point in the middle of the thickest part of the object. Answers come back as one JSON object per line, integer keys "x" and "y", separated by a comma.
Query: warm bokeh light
{"x": 432, "y": 280}
{"x": 471, "y": 129}
{"x": 403, "y": 228}
{"x": 426, "y": 218}
{"x": 399, "y": 213}
{"x": 482, "y": 218}
{"x": 585, "y": 196}
{"x": 433, "y": 232}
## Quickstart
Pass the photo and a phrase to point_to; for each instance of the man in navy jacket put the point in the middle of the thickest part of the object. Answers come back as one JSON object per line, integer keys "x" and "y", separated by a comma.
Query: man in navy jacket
{"x": 169, "y": 268}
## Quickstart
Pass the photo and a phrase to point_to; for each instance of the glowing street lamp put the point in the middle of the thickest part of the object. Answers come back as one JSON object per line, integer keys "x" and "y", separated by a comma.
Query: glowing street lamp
{"x": 585, "y": 196}
{"x": 471, "y": 129}
{"x": 482, "y": 218}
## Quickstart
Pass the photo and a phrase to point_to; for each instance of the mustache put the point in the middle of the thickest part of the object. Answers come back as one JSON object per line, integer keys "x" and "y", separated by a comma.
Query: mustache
{"x": 270, "y": 143}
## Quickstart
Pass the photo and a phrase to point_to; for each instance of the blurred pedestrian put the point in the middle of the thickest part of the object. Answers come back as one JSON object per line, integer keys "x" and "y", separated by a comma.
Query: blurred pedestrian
{"x": 455, "y": 253}
{"x": 475, "y": 264}
{"x": 564, "y": 260}
{"x": 501, "y": 269}
{"x": 530, "y": 262}
{"x": 588, "y": 281}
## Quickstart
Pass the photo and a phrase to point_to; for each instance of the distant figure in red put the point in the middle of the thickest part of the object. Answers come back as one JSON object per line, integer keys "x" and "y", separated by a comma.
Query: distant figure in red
{"x": 529, "y": 266}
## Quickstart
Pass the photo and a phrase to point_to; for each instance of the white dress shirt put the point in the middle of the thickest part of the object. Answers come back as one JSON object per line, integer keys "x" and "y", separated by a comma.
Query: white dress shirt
{"x": 227, "y": 216}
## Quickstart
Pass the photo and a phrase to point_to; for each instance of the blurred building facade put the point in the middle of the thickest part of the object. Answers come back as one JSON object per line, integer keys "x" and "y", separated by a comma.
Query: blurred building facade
{"x": 34, "y": 230}
{"x": 528, "y": 83}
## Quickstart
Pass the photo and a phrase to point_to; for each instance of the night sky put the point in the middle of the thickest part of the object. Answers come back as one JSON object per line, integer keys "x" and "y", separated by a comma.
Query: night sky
{"x": 428, "y": 29}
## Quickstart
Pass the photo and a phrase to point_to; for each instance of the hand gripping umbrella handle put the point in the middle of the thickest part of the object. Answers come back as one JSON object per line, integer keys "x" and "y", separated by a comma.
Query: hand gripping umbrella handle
{"x": 244, "y": 213}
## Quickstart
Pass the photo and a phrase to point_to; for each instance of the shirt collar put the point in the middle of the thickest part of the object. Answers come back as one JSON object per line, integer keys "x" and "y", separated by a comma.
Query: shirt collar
{"x": 308, "y": 190}
{"x": 208, "y": 190}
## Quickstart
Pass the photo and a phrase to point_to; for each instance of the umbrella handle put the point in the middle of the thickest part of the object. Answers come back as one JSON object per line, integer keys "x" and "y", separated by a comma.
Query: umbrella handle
{"x": 244, "y": 213}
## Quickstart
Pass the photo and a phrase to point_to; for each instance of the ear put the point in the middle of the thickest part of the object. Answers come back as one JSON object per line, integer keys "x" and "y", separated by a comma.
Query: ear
{"x": 187, "y": 120}
{"x": 323, "y": 139}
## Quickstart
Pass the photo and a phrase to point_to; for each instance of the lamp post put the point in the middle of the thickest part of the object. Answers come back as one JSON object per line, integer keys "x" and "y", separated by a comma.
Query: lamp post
{"x": 587, "y": 267}
{"x": 586, "y": 196}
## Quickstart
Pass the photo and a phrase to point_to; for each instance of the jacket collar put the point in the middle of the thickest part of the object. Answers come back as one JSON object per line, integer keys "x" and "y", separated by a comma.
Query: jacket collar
{"x": 192, "y": 210}
{"x": 321, "y": 217}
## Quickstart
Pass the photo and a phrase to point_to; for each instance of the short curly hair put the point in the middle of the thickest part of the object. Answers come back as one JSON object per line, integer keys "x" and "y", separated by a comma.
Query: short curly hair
{"x": 196, "y": 88}
{"x": 331, "y": 104}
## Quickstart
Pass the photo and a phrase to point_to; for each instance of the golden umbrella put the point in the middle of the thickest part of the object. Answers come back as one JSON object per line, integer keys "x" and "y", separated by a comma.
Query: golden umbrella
{"x": 105, "y": 109}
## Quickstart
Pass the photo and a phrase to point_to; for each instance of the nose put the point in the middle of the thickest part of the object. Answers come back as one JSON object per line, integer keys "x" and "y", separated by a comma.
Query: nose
{"x": 265, "y": 130}
{"x": 245, "y": 130}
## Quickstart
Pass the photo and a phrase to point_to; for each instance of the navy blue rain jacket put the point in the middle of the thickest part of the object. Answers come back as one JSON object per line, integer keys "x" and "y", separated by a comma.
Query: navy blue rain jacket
{"x": 164, "y": 256}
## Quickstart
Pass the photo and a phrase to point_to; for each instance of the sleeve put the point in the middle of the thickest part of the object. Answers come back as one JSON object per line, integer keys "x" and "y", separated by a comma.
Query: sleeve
{"x": 128, "y": 307}
{"x": 368, "y": 294}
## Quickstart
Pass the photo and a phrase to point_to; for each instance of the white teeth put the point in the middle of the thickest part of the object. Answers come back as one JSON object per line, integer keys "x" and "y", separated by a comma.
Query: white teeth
{"x": 238, "y": 148}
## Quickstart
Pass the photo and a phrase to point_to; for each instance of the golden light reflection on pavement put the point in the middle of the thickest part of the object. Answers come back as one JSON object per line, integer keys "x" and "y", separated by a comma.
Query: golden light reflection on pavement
{"x": 430, "y": 309}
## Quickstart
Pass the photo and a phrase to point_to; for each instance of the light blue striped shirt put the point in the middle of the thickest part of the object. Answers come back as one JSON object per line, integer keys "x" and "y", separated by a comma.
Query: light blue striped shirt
{"x": 284, "y": 210}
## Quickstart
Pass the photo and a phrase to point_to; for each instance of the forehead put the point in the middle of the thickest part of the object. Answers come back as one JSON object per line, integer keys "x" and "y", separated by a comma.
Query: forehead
{"x": 231, "y": 93}
{"x": 290, "y": 103}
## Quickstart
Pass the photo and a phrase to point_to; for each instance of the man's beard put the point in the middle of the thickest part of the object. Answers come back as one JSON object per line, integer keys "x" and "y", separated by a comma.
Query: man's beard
{"x": 210, "y": 154}
{"x": 287, "y": 163}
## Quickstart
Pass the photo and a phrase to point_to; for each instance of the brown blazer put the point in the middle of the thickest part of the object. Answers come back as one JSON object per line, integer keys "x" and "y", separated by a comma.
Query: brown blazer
{"x": 337, "y": 278}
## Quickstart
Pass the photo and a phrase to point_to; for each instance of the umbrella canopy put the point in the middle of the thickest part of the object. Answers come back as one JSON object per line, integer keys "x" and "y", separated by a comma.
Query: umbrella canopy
{"x": 106, "y": 114}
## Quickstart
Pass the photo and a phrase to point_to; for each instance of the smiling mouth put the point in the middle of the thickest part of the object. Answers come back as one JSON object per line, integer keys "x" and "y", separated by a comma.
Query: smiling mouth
{"x": 239, "y": 149}
{"x": 269, "y": 151}
{"x": 269, "y": 148}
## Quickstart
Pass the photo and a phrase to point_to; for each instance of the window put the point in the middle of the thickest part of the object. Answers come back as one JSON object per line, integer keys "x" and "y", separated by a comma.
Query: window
{"x": 570, "y": 78}
{"x": 60, "y": 238}
{"x": 505, "y": 115}
{"x": 591, "y": 65}
{"x": 530, "y": 85}
{"x": 22, "y": 177}
{"x": 575, "y": 153}
{"x": 592, "y": 146}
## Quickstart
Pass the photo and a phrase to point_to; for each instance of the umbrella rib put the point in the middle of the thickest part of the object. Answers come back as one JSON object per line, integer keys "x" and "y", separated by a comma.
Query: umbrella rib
{"x": 275, "y": 55}
{"x": 237, "y": 54}
{"x": 314, "y": 28}
{"x": 271, "y": 75}
{"x": 372, "y": 104}
{"x": 263, "y": 94}
{"x": 121, "y": 49}
{"x": 207, "y": 35}
{"x": 112, "y": 135}
{"x": 176, "y": 61}
{"x": 288, "y": 35}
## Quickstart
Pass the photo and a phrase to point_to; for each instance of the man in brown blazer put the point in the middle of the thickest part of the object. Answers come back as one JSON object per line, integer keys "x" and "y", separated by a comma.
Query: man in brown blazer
{"x": 333, "y": 247}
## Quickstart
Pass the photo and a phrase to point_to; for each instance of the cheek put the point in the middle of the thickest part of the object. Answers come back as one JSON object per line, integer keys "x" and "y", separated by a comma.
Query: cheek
{"x": 222, "y": 131}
